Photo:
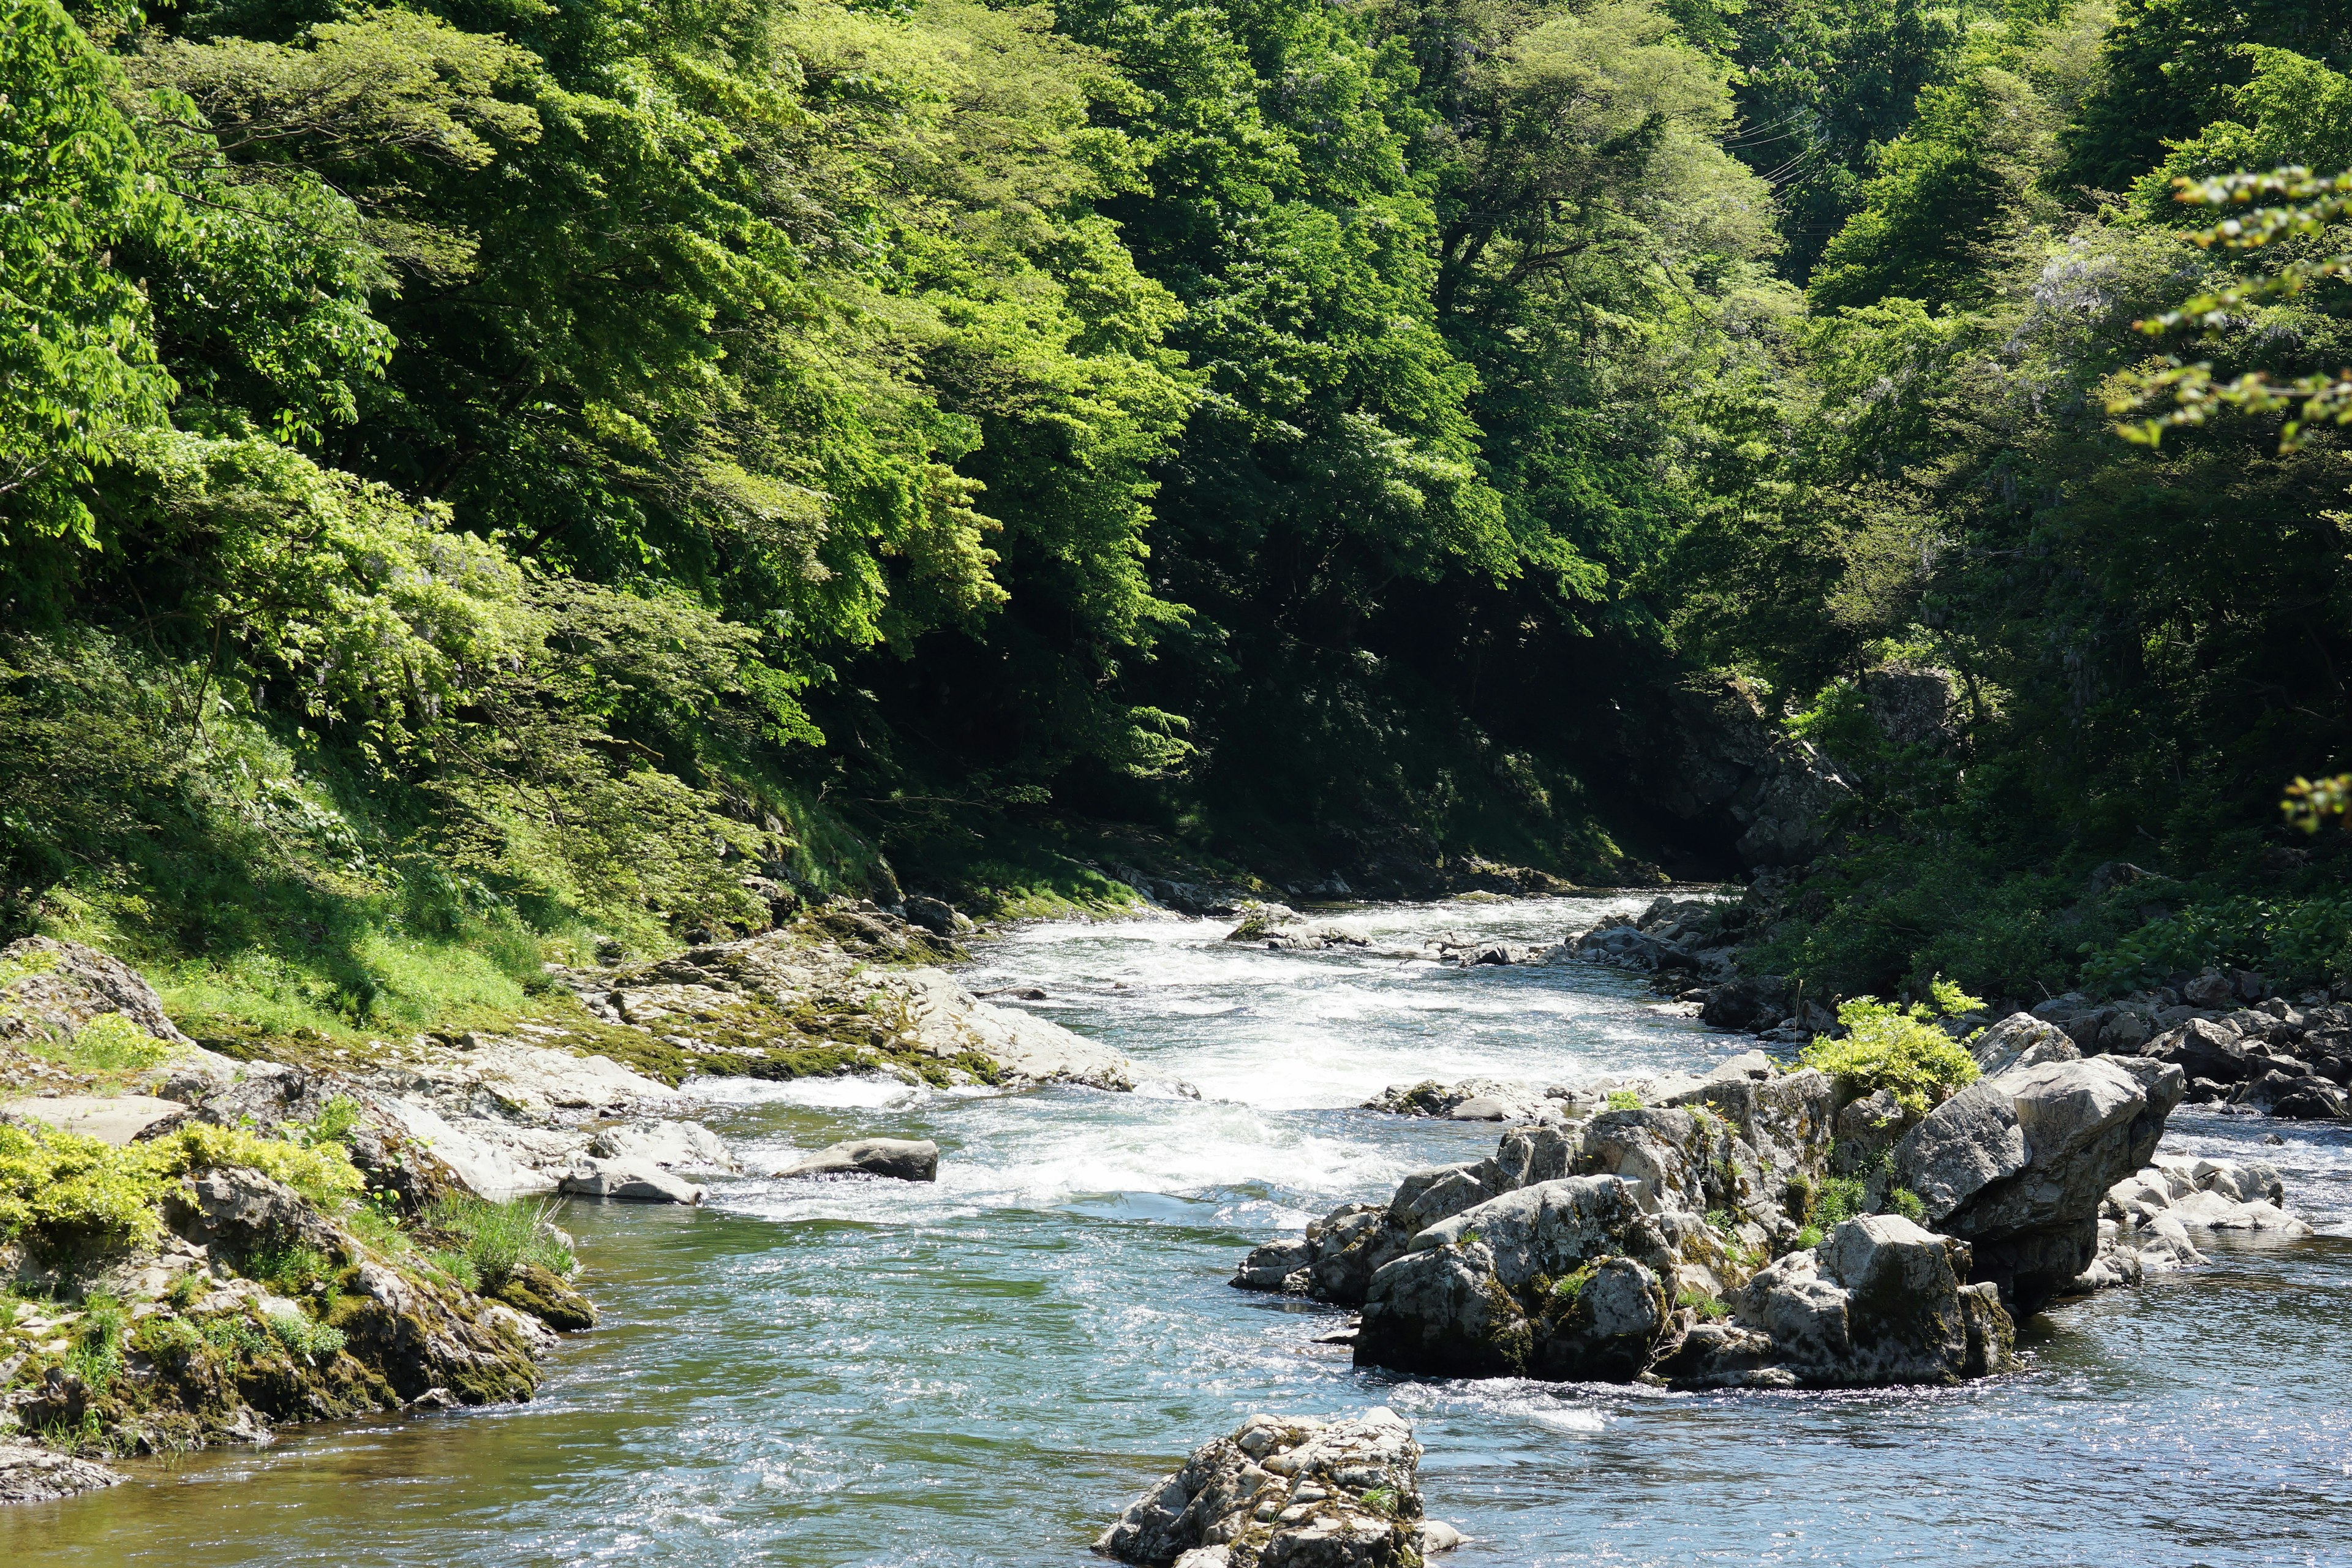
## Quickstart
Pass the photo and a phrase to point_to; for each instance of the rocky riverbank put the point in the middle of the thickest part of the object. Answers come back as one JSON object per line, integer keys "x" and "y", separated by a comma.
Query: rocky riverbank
{"x": 202, "y": 1246}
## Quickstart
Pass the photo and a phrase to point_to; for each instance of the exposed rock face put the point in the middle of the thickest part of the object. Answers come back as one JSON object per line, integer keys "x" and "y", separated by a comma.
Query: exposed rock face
{"x": 1728, "y": 761}
{"x": 1880, "y": 1301}
{"x": 896, "y": 1159}
{"x": 2016, "y": 1164}
{"x": 1287, "y": 1492}
{"x": 30, "y": 1473}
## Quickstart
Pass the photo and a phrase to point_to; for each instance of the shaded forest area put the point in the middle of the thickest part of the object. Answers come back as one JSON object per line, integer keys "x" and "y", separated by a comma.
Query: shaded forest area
{"x": 487, "y": 480}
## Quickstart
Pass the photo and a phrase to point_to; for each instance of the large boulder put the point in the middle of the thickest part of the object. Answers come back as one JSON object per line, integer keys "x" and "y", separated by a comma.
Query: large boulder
{"x": 1284, "y": 1491}
{"x": 2021, "y": 1040}
{"x": 2206, "y": 1048}
{"x": 1337, "y": 1258}
{"x": 1748, "y": 1003}
{"x": 2017, "y": 1164}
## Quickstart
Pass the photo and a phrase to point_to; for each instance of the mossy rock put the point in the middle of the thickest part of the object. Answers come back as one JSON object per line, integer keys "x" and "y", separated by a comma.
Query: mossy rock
{"x": 537, "y": 1290}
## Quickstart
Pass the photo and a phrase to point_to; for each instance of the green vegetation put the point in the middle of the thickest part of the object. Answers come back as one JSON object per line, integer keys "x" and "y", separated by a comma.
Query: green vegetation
{"x": 477, "y": 489}
{"x": 1624, "y": 1099}
{"x": 60, "y": 1187}
{"x": 1897, "y": 1048}
{"x": 484, "y": 1243}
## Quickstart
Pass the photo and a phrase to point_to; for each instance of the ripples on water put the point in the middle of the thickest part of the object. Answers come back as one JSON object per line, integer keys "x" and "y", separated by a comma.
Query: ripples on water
{"x": 985, "y": 1372}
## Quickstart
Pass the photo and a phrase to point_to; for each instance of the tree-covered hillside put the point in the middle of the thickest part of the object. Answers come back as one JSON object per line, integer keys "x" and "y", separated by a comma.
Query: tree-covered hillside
{"x": 485, "y": 478}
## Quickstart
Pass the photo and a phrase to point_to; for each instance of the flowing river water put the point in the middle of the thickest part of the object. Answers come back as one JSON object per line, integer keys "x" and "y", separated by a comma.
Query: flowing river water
{"x": 986, "y": 1370}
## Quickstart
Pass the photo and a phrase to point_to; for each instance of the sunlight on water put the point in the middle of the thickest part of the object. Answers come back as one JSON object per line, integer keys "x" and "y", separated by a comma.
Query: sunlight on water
{"x": 839, "y": 1374}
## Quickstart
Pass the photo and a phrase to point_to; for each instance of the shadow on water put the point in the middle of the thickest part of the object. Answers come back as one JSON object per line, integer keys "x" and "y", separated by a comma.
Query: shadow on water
{"x": 983, "y": 1372}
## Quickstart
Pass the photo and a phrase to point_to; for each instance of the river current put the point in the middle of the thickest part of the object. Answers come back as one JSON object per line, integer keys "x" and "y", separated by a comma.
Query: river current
{"x": 985, "y": 1372}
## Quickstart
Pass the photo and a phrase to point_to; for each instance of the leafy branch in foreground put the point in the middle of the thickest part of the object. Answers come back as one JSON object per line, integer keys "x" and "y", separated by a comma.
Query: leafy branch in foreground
{"x": 2310, "y": 804}
{"x": 2306, "y": 208}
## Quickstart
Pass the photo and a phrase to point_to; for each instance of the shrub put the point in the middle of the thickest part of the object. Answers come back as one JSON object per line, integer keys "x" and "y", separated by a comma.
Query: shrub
{"x": 1624, "y": 1100}
{"x": 1895, "y": 1048}
{"x": 110, "y": 1043}
{"x": 290, "y": 1270}
{"x": 67, "y": 1189}
{"x": 322, "y": 1172}
{"x": 1710, "y": 1309}
{"x": 1905, "y": 1202}
{"x": 168, "y": 1342}
{"x": 494, "y": 1239}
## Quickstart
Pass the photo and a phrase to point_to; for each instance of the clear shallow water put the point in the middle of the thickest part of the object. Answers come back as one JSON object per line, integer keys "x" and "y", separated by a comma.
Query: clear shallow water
{"x": 986, "y": 1370}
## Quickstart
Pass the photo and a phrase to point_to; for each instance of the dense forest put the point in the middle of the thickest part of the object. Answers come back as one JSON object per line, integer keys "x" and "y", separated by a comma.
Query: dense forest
{"x": 481, "y": 478}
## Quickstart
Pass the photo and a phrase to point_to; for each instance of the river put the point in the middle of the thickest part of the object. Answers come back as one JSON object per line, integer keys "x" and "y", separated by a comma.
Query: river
{"x": 986, "y": 1370}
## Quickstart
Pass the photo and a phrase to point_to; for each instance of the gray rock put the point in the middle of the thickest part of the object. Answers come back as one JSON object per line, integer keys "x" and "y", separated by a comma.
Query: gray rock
{"x": 2022, "y": 1040}
{"x": 30, "y": 1473}
{"x": 636, "y": 1180}
{"x": 2017, "y": 1163}
{"x": 1880, "y": 1301}
{"x": 2202, "y": 1047}
{"x": 900, "y": 1159}
{"x": 1285, "y": 1492}
{"x": 1488, "y": 1293}
{"x": 1753, "y": 1002}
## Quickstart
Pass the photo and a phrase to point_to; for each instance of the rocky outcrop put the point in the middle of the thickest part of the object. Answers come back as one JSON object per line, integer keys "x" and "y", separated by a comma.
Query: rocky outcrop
{"x": 1563, "y": 1279}
{"x": 1880, "y": 1301}
{"x": 893, "y": 1158}
{"x": 1280, "y": 929}
{"x": 812, "y": 1001}
{"x": 1727, "y": 763}
{"x": 2016, "y": 1164}
{"x": 1682, "y": 936}
{"x": 1287, "y": 1492}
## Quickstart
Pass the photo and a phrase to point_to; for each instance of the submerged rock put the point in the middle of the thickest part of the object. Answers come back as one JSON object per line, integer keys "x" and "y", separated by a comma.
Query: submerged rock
{"x": 1284, "y": 1491}
{"x": 898, "y": 1158}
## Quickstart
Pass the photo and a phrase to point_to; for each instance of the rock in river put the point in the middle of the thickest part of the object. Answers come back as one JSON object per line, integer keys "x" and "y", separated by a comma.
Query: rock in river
{"x": 1284, "y": 1491}
{"x": 901, "y": 1158}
